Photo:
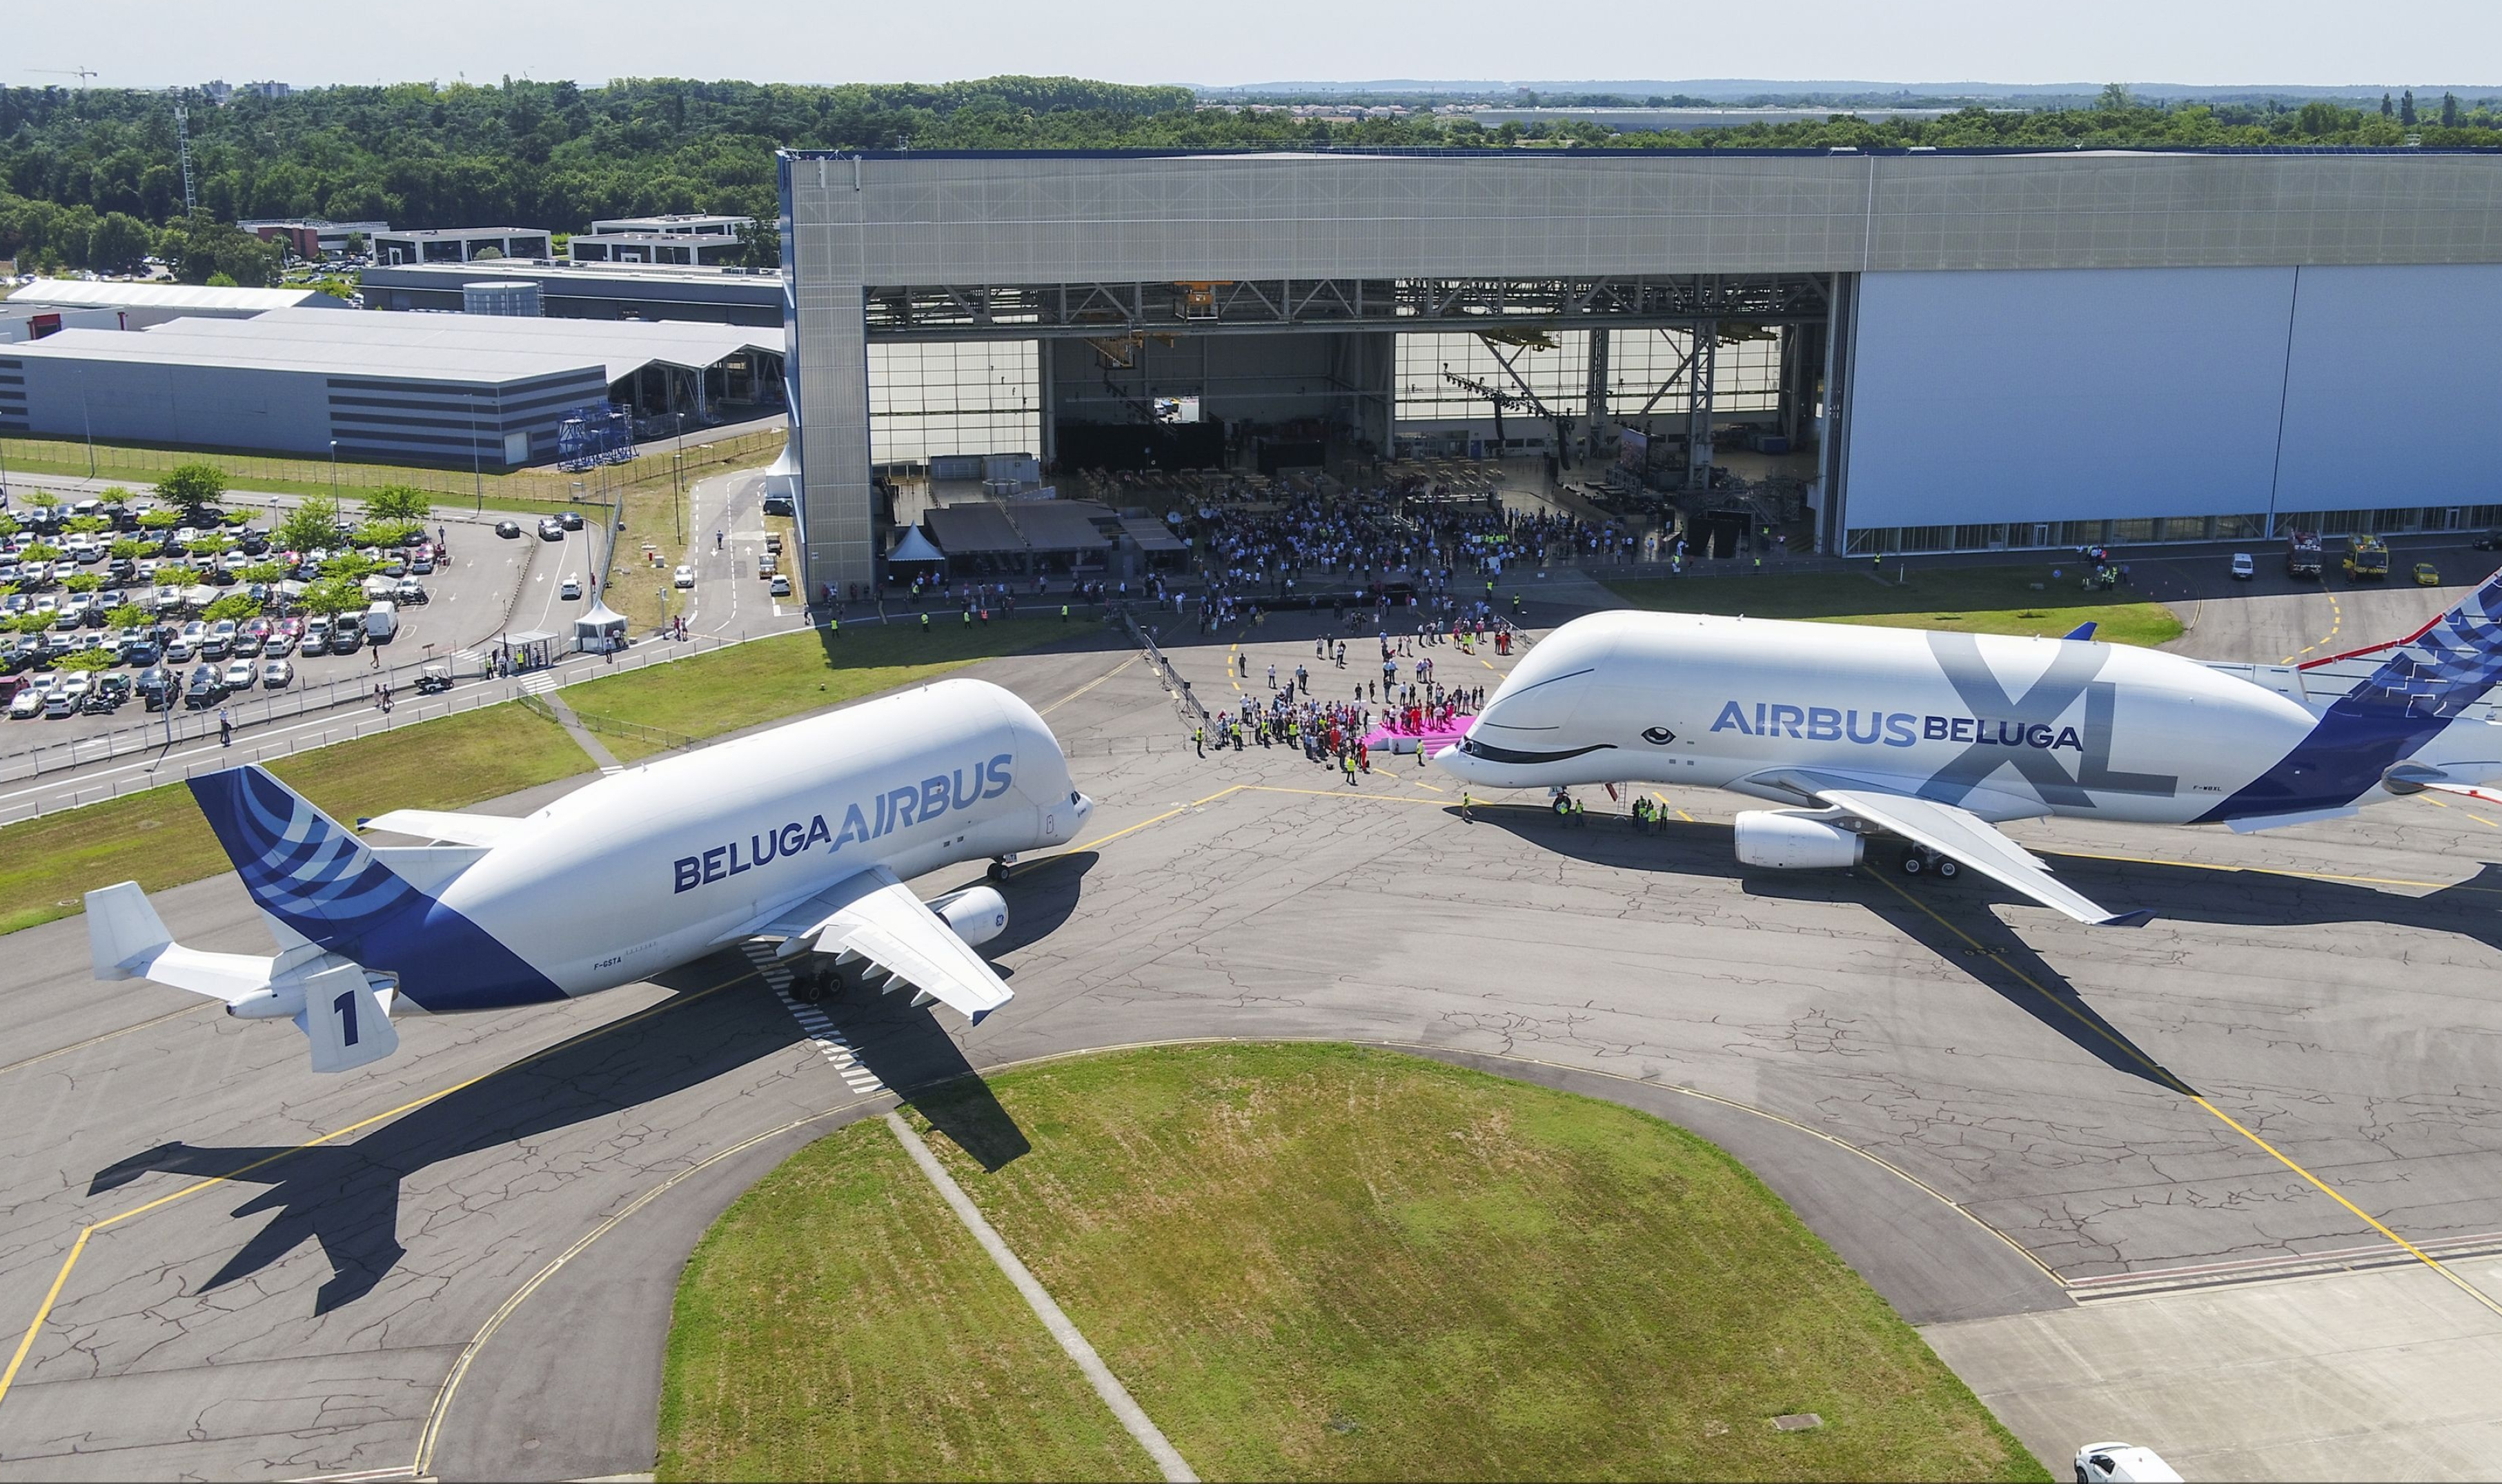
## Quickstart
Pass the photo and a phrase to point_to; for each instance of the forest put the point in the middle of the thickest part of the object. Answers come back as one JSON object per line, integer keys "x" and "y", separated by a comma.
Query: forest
{"x": 91, "y": 177}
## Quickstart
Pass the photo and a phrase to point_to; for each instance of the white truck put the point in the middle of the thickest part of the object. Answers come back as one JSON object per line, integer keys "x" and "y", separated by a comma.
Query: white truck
{"x": 382, "y": 621}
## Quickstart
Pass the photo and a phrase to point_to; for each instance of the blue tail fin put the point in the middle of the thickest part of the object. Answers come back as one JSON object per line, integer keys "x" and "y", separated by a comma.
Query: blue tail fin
{"x": 2447, "y": 667}
{"x": 299, "y": 865}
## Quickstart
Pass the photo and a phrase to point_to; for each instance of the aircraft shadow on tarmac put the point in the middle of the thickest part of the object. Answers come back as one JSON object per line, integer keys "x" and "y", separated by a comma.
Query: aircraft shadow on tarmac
{"x": 347, "y": 1196}
{"x": 1953, "y": 920}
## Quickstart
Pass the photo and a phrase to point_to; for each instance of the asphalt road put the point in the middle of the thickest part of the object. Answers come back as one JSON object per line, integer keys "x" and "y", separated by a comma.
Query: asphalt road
{"x": 1985, "y": 1108}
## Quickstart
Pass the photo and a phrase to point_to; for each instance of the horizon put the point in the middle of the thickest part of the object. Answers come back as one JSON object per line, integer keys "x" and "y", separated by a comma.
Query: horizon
{"x": 2245, "y": 46}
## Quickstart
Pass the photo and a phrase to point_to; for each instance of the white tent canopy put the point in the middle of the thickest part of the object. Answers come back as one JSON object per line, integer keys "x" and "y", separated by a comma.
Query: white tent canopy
{"x": 915, "y": 547}
{"x": 599, "y": 628}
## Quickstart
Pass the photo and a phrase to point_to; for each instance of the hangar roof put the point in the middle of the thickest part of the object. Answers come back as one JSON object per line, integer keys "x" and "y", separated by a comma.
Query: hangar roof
{"x": 455, "y": 348}
{"x": 110, "y": 294}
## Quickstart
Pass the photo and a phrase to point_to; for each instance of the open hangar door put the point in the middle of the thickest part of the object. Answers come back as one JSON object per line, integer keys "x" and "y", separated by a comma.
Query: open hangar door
{"x": 1209, "y": 400}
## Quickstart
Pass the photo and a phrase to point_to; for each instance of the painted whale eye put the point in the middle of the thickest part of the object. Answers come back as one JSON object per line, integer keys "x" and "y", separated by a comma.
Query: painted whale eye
{"x": 1659, "y": 736}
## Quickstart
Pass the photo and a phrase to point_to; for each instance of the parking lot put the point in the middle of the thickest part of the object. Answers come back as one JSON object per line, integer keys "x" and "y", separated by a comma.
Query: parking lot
{"x": 466, "y": 596}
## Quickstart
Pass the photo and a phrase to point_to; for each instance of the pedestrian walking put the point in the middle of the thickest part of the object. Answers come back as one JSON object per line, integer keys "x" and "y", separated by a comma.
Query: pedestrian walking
{"x": 1200, "y": 736}
{"x": 226, "y": 729}
{"x": 1467, "y": 808}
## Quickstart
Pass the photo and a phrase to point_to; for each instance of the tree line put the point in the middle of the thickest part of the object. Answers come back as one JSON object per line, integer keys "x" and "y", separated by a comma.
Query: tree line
{"x": 91, "y": 178}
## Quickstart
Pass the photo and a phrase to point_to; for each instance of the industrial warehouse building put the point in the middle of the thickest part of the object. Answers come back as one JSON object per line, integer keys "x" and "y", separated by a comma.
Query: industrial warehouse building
{"x": 1978, "y": 350}
{"x": 421, "y": 388}
{"x": 137, "y": 306}
{"x": 570, "y": 290}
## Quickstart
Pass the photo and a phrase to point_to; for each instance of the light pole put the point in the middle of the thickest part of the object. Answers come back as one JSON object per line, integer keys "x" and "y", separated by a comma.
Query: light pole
{"x": 678, "y": 477}
{"x": 477, "y": 479}
{"x": 334, "y": 478}
{"x": 88, "y": 421}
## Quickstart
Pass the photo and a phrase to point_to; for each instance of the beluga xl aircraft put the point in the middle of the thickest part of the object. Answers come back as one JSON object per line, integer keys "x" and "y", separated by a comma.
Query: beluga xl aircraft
{"x": 804, "y": 835}
{"x": 1933, "y": 739}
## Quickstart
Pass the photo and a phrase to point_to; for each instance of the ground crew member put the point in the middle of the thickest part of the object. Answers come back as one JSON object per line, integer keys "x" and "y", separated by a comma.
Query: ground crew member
{"x": 1200, "y": 736}
{"x": 967, "y": 617}
{"x": 925, "y": 623}
{"x": 1347, "y": 761}
{"x": 1064, "y": 613}
{"x": 1465, "y": 805}
{"x": 834, "y": 625}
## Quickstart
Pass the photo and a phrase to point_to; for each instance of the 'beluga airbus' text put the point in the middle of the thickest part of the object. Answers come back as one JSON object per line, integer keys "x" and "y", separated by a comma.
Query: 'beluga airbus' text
{"x": 1934, "y": 737}
{"x": 804, "y": 835}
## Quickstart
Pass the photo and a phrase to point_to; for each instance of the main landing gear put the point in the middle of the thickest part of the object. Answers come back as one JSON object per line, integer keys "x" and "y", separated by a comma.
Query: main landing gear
{"x": 999, "y": 869}
{"x": 1920, "y": 860}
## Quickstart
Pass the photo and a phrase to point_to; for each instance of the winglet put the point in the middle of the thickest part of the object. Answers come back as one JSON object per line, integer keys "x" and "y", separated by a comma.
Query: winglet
{"x": 2137, "y": 919}
{"x": 2084, "y": 630}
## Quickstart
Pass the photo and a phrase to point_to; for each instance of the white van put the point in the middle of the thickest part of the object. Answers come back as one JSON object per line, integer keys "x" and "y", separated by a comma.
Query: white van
{"x": 381, "y": 621}
{"x": 2118, "y": 1463}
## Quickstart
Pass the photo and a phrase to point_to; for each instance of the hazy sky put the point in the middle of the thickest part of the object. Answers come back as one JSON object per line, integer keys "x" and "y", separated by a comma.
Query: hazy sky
{"x": 2315, "y": 42}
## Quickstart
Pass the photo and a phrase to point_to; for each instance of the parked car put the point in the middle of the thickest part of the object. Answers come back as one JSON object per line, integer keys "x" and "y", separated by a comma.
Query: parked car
{"x": 408, "y": 589}
{"x": 204, "y": 688}
{"x": 508, "y": 529}
{"x": 156, "y": 687}
{"x": 781, "y": 586}
{"x": 348, "y": 638}
{"x": 2488, "y": 541}
{"x": 686, "y": 577}
{"x": 180, "y": 650}
{"x": 239, "y": 675}
{"x": 28, "y": 703}
{"x": 422, "y": 564}
{"x": 277, "y": 674}
{"x": 2245, "y": 567}
{"x": 58, "y": 702}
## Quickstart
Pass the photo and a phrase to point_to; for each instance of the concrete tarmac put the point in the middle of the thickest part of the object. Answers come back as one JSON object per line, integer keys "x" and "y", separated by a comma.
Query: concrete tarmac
{"x": 1988, "y": 1110}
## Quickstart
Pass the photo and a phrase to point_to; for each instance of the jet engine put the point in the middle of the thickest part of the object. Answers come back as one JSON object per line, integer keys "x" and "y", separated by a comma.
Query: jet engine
{"x": 978, "y": 914}
{"x": 1788, "y": 840}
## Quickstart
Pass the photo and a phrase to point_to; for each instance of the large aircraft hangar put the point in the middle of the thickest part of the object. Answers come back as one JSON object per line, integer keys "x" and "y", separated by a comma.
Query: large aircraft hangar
{"x": 1981, "y": 350}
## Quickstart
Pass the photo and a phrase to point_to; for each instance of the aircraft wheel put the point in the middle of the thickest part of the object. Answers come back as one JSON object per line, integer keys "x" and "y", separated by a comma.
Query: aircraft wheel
{"x": 1947, "y": 868}
{"x": 1912, "y": 863}
{"x": 998, "y": 873}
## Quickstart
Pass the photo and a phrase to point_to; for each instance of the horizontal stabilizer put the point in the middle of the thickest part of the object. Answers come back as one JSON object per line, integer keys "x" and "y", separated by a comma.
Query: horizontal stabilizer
{"x": 2084, "y": 630}
{"x": 446, "y": 826}
{"x": 128, "y": 940}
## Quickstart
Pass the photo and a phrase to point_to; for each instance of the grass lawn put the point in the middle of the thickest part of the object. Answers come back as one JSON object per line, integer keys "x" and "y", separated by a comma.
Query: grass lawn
{"x": 771, "y": 679}
{"x": 1983, "y": 600}
{"x": 1305, "y": 1262}
{"x": 890, "y": 1346}
{"x": 159, "y": 838}
{"x": 140, "y": 465}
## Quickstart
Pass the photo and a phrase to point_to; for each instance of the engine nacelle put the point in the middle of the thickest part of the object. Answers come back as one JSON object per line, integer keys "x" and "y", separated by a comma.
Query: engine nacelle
{"x": 978, "y": 914}
{"x": 1786, "y": 840}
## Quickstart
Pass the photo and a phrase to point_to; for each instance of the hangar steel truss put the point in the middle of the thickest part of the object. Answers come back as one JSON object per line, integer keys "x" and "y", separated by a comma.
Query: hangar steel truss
{"x": 1267, "y": 306}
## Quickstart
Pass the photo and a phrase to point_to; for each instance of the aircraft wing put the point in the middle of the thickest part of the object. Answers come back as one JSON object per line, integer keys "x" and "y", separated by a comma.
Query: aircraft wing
{"x": 874, "y": 917}
{"x": 446, "y": 826}
{"x": 1976, "y": 843}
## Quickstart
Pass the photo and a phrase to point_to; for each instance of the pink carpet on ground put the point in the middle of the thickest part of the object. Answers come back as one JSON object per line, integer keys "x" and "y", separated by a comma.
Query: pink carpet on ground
{"x": 1434, "y": 737}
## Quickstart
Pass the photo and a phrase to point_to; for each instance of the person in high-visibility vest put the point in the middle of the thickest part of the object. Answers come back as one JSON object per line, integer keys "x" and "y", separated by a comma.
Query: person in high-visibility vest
{"x": 925, "y": 623}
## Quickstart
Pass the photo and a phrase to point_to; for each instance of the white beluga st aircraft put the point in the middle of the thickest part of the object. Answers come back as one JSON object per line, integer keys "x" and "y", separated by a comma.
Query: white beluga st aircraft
{"x": 1935, "y": 738}
{"x": 804, "y": 834}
